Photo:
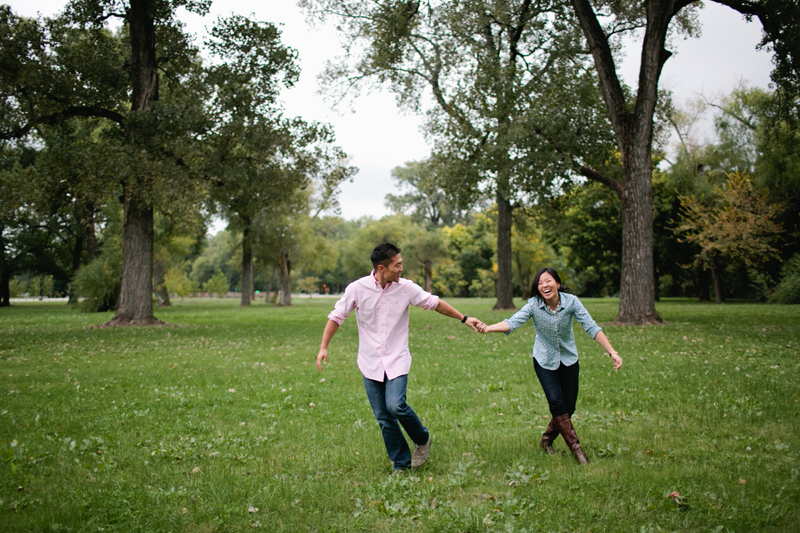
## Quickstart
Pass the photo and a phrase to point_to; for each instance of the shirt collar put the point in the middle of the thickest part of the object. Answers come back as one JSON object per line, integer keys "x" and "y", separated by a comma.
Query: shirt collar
{"x": 543, "y": 304}
{"x": 378, "y": 284}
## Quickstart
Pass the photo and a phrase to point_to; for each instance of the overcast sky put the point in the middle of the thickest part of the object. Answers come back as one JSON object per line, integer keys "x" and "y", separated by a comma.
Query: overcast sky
{"x": 379, "y": 137}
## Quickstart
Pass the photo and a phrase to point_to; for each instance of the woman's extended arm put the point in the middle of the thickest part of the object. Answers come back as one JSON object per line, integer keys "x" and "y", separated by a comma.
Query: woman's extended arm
{"x": 500, "y": 327}
{"x": 602, "y": 340}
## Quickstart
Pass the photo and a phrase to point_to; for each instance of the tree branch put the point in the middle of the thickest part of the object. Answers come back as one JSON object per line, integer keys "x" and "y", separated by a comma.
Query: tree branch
{"x": 55, "y": 118}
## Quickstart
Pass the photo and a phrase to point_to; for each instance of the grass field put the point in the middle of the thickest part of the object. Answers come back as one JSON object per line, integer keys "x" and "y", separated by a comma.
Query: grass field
{"x": 221, "y": 422}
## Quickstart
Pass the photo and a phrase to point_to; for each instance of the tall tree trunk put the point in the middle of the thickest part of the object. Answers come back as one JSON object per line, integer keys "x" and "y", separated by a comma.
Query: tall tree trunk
{"x": 5, "y": 273}
{"x": 162, "y": 294}
{"x": 286, "y": 280}
{"x": 136, "y": 294}
{"x": 427, "y": 265}
{"x": 77, "y": 253}
{"x": 89, "y": 234}
{"x": 637, "y": 291}
{"x": 633, "y": 130}
{"x": 5, "y": 287}
{"x": 247, "y": 264}
{"x": 701, "y": 275}
{"x": 505, "y": 287}
{"x": 717, "y": 277}
{"x": 656, "y": 294}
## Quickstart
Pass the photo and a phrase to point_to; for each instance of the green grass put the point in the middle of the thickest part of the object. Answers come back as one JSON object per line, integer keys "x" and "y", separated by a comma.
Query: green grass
{"x": 188, "y": 427}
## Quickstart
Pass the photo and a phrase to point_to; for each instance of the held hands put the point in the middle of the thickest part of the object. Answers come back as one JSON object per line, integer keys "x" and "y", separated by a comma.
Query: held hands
{"x": 475, "y": 324}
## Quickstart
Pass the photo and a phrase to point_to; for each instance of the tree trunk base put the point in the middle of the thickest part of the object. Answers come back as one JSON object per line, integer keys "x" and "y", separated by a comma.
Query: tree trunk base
{"x": 499, "y": 307}
{"x": 118, "y": 322}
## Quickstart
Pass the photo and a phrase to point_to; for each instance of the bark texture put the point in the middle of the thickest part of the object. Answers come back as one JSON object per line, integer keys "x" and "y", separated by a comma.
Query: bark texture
{"x": 247, "y": 265}
{"x": 505, "y": 285}
{"x": 136, "y": 295}
{"x": 633, "y": 130}
{"x": 161, "y": 289}
{"x": 286, "y": 280}
{"x": 5, "y": 288}
{"x": 428, "y": 267}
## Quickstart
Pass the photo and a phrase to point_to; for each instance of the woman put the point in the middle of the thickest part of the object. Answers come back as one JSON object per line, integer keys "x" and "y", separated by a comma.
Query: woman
{"x": 555, "y": 357}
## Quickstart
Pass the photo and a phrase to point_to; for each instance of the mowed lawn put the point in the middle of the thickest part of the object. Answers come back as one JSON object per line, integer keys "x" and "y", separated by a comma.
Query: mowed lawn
{"x": 221, "y": 422}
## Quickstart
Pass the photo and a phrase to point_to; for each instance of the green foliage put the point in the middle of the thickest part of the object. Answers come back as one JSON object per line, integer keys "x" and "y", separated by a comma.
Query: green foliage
{"x": 217, "y": 284}
{"x": 425, "y": 201}
{"x": 178, "y": 282}
{"x": 740, "y": 226}
{"x": 17, "y": 287}
{"x": 788, "y": 290}
{"x": 584, "y": 224}
{"x": 98, "y": 283}
{"x": 308, "y": 284}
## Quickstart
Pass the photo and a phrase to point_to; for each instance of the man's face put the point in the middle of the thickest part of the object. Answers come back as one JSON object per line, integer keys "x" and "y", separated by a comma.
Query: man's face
{"x": 394, "y": 270}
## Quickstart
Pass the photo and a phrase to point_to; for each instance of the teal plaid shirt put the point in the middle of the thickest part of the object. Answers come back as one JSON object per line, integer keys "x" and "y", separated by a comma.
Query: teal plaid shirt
{"x": 555, "y": 342}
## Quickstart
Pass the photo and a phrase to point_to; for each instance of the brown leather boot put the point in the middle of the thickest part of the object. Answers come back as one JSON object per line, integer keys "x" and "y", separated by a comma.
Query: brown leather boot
{"x": 564, "y": 425}
{"x": 550, "y": 434}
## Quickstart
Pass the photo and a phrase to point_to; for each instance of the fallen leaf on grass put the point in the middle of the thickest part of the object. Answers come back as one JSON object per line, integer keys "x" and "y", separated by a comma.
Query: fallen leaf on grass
{"x": 252, "y": 509}
{"x": 184, "y": 510}
{"x": 195, "y": 470}
{"x": 742, "y": 481}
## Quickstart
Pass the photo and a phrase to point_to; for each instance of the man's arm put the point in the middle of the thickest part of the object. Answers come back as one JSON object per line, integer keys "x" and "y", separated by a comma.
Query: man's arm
{"x": 330, "y": 330}
{"x": 446, "y": 309}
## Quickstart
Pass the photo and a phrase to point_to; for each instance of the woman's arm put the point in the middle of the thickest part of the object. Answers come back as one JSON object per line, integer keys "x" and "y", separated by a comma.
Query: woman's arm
{"x": 602, "y": 340}
{"x": 500, "y": 327}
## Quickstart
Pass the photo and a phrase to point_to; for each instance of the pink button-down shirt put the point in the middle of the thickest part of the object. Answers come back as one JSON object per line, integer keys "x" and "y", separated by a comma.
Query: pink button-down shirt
{"x": 382, "y": 316}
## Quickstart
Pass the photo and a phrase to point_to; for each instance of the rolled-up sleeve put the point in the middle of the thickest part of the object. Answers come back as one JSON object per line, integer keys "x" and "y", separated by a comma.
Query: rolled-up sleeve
{"x": 420, "y": 298}
{"x": 344, "y": 306}
{"x": 586, "y": 320}
{"x": 519, "y": 318}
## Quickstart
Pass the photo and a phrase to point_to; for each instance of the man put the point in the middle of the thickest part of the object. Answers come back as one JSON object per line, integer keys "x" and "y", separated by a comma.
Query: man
{"x": 381, "y": 301}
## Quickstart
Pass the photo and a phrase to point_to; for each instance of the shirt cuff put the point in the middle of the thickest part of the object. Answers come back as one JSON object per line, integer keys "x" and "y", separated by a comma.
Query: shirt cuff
{"x": 336, "y": 318}
{"x": 431, "y": 303}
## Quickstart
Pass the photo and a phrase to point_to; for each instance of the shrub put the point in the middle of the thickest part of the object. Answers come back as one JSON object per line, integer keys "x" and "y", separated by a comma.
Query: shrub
{"x": 218, "y": 284}
{"x": 17, "y": 287}
{"x": 788, "y": 290}
{"x": 97, "y": 285}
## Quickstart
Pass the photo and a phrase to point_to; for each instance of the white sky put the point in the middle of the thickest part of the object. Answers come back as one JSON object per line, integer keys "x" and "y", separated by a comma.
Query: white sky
{"x": 379, "y": 137}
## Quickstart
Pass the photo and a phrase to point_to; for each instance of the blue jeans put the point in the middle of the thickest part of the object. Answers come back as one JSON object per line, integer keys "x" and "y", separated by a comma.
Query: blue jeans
{"x": 560, "y": 387}
{"x": 388, "y": 401}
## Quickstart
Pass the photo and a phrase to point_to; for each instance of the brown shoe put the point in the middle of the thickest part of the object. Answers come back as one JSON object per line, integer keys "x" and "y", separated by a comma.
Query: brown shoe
{"x": 564, "y": 425}
{"x": 421, "y": 453}
{"x": 550, "y": 434}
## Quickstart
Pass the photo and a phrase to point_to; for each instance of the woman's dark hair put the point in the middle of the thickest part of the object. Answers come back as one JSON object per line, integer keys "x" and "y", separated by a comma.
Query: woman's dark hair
{"x": 383, "y": 253}
{"x": 552, "y": 272}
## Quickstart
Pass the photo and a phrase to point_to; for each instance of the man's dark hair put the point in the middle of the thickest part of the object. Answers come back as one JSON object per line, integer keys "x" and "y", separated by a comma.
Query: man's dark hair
{"x": 383, "y": 253}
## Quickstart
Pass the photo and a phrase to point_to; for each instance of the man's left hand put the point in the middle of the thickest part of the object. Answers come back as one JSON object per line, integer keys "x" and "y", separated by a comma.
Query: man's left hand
{"x": 475, "y": 324}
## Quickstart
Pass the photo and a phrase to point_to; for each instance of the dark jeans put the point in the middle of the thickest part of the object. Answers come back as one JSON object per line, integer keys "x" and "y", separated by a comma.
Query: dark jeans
{"x": 560, "y": 387}
{"x": 388, "y": 402}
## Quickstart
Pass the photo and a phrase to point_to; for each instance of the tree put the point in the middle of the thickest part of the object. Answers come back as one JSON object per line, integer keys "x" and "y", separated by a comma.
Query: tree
{"x": 515, "y": 106}
{"x": 427, "y": 202}
{"x": 71, "y": 66}
{"x": 632, "y": 118}
{"x": 740, "y": 227}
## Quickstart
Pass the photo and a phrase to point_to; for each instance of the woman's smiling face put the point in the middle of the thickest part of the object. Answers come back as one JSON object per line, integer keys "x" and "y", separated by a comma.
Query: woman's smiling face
{"x": 548, "y": 287}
